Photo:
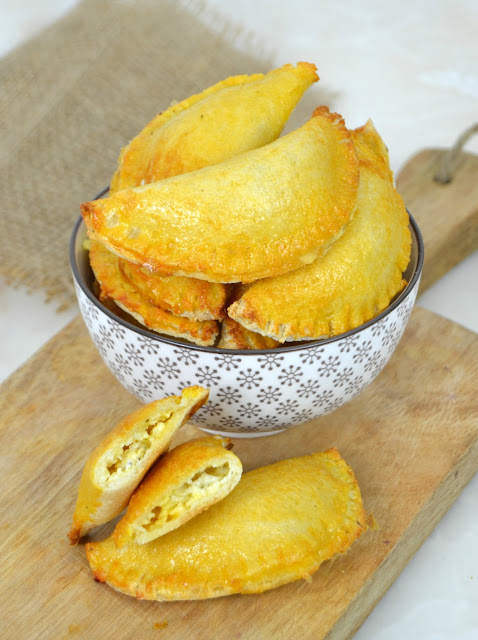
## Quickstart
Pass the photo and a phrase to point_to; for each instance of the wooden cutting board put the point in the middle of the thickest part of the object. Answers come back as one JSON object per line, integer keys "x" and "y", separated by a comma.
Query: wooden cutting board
{"x": 411, "y": 438}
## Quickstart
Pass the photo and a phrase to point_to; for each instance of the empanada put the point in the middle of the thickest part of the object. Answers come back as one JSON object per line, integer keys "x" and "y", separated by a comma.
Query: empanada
{"x": 278, "y": 525}
{"x": 233, "y": 116}
{"x": 235, "y": 336}
{"x": 236, "y": 115}
{"x": 115, "y": 287}
{"x": 190, "y": 298}
{"x": 259, "y": 214}
{"x": 120, "y": 461}
{"x": 187, "y": 480}
{"x": 357, "y": 277}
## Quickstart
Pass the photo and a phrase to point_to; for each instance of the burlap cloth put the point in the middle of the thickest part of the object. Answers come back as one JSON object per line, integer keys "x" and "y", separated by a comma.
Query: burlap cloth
{"x": 73, "y": 96}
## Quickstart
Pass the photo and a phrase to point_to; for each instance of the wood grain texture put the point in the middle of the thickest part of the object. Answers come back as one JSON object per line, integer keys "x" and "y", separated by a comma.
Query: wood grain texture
{"x": 447, "y": 214}
{"x": 411, "y": 439}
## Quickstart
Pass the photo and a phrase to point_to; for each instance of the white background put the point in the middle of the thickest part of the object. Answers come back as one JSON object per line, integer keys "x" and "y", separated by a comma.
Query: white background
{"x": 412, "y": 66}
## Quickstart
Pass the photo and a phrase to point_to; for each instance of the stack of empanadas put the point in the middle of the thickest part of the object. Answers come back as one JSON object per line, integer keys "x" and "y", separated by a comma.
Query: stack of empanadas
{"x": 357, "y": 277}
{"x": 208, "y": 195}
{"x": 278, "y": 525}
{"x": 194, "y": 526}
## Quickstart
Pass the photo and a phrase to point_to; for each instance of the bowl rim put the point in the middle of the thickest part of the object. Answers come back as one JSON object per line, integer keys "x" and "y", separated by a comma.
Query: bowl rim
{"x": 297, "y": 346}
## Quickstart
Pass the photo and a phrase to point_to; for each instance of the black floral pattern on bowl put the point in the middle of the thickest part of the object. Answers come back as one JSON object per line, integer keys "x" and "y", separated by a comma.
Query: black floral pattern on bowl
{"x": 250, "y": 394}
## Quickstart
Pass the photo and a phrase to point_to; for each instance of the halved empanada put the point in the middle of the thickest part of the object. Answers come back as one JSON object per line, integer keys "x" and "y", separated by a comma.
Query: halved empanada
{"x": 190, "y": 298}
{"x": 120, "y": 461}
{"x": 189, "y": 479}
{"x": 355, "y": 279}
{"x": 262, "y": 213}
{"x": 278, "y": 525}
{"x": 233, "y": 116}
{"x": 115, "y": 287}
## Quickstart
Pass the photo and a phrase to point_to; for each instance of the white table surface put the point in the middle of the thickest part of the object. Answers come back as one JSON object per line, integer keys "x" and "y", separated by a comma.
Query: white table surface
{"x": 411, "y": 66}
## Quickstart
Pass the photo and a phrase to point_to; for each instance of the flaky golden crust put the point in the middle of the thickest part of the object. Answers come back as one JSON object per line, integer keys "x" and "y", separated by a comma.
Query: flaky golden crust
{"x": 231, "y": 117}
{"x": 278, "y": 525}
{"x": 190, "y": 298}
{"x": 235, "y": 336}
{"x": 122, "y": 458}
{"x": 260, "y": 214}
{"x": 184, "y": 482}
{"x": 367, "y": 137}
{"x": 115, "y": 287}
{"x": 356, "y": 278}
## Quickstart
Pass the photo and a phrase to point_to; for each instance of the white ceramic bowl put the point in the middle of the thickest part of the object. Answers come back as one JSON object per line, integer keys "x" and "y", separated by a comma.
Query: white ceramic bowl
{"x": 252, "y": 393}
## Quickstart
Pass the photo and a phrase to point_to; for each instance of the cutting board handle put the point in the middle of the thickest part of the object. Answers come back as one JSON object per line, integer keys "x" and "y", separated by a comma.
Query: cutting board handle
{"x": 440, "y": 189}
{"x": 449, "y": 165}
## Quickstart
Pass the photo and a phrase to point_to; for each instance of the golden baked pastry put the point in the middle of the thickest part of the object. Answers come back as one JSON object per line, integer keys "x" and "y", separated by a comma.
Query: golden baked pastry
{"x": 278, "y": 525}
{"x": 233, "y": 116}
{"x": 235, "y": 336}
{"x": 357, "y": 277}
{"x": 115, "y": 287}
{"x": 187, "y": 480}
{"x": 187, "y": 297}
{"x": 120, "y": 461}
{"x": 259, "y": 214}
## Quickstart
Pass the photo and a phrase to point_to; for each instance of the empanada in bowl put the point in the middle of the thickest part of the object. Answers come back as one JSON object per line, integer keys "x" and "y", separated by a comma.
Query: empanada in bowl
{"x": 190, "y": 298}
{"x": 356, "y": 278}
{"x": 184, "y": 482}
{"x": 278, "y": 525}
{"x": 233, "y": 116}
{"x": 259, "y": 214}
{"x": 120, "y": 461}
{"x": 235, "y": 336}
{"x": 114, "y": 286}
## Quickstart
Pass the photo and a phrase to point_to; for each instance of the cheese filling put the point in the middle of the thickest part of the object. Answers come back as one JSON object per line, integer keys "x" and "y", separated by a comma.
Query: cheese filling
{"x": 121, "y": 459}
{"x": 194, "y": 491}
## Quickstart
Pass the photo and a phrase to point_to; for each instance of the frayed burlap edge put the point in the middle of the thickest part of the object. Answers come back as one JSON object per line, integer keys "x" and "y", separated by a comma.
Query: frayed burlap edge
{"x": 74, "y": 95}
